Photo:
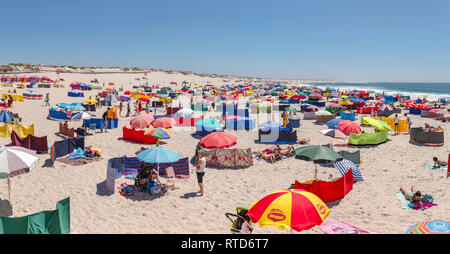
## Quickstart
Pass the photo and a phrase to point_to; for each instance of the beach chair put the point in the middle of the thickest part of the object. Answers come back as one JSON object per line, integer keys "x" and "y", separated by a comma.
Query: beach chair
{"x": 238, "y": 219}
{"x": 170, "y": 183}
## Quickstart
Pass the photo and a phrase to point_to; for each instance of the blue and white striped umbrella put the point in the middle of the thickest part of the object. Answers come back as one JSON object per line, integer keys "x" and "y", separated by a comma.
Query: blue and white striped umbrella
{"x": 344, "y": 166}
{"x": 158, "y": 155}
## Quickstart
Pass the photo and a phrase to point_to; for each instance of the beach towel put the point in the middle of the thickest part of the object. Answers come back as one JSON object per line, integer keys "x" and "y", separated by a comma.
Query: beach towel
{"x": 78, "y": 161}
{"x": 403, "y": 201}
{"x": 431, "y": 166}
{"x": 126, "y": 190}
{"x": 340, "y": 227}
{"x": 423, "y": 206}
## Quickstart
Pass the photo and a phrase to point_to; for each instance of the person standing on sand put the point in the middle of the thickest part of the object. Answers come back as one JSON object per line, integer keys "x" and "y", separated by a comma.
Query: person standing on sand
{"x": 120, "y": 108}
{"x": 128, "y": 109}
{"x": 200, "y": 170}
{"x": 408, "y": 117}
{"x": 47, "y": 99}
{"x": 396, "y": 124}
{"x": 105, "y": 120}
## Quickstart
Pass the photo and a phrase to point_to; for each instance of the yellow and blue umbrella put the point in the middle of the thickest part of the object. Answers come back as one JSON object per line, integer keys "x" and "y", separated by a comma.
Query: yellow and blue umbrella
{"x": 160, "y": 133}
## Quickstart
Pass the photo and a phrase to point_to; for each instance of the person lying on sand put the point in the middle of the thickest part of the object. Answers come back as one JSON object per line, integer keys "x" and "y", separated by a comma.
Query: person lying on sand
{"x": 428, "y": 127}
{"x": 303, "y": 141}
{"x": 287, "y": 151}
{"x": 439, "y": 163}
{"x": 268, "y": 157}
{"x": 414, "y": 197}
{"x": 438, "y": 129}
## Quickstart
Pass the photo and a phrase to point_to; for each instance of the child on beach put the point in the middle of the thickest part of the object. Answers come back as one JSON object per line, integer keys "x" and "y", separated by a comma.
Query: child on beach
{"x": 439, "y": 163}
{"x": 396, "y": 124}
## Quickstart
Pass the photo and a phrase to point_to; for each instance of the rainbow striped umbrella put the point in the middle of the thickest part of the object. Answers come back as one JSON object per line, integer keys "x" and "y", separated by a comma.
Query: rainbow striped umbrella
{"x": 160, "y": 133}
{"x": 297, "y": 209}
{"x": 430, "y": 227}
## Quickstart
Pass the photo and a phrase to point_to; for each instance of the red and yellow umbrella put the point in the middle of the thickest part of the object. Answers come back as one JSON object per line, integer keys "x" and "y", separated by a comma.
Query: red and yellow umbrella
{"x": 298, "y": 209}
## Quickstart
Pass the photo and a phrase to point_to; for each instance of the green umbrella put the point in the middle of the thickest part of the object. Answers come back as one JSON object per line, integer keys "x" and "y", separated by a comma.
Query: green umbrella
{"x": 291, "y": 110}
{"x": 316, "y": 153}
{"x": 377, "y": 124}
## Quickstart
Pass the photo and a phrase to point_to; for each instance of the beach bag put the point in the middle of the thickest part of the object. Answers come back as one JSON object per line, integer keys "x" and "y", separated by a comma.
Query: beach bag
{"x": 155, "y": 189}
{"x": 427, "y": 199}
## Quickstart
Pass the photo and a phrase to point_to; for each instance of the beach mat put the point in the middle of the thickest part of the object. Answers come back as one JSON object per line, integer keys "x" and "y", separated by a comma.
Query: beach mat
{"x": 340, "y": 227}
{"x": 431, "y": 166}
{"x": 79, "y": 161}
{"x": 403, "y": 200}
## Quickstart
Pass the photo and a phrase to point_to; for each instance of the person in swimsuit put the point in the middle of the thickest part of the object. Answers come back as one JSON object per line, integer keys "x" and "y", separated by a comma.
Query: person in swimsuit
{"x": 439, "y": 163}
{"x": 415, "y": 197}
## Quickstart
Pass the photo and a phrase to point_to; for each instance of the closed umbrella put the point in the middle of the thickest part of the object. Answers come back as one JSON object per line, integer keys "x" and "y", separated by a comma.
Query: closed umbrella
{"x": 295, "y": 209}
{"x": 218, "y": 140}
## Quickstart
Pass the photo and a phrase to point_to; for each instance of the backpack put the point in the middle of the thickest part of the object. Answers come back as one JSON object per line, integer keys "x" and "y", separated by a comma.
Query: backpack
{"x": 427, "y": 198}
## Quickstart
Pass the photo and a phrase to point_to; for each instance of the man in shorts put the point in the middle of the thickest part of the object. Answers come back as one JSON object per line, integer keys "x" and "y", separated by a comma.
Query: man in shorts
{"x": 200, "y": 170}
{"x": 408, "y": 117}
{"x": 105, "y": 119}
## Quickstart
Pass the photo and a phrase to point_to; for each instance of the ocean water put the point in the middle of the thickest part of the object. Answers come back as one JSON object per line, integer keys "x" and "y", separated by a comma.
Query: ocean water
{"x": 415, "y": 90}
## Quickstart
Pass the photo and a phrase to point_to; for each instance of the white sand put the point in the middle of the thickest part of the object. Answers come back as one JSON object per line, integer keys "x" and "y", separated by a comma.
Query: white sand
{"x": 371, "y": 205}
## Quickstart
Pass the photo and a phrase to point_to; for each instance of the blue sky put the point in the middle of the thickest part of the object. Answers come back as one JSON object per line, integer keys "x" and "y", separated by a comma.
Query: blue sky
{"x": 351, "y": 40}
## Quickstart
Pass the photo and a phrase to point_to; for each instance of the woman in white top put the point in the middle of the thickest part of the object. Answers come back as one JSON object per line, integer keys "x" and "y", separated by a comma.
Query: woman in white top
{"x": 200, "y": 170}
{"x": 396, "y": 123}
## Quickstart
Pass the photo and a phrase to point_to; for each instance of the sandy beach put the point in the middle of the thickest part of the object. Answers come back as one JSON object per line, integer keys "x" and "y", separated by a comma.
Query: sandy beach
{"x": 372, "y": 204}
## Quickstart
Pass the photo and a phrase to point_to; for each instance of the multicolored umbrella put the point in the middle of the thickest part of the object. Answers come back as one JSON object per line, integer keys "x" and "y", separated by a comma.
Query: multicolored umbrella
{"x": 333, "y": 133}
{"x": 386, "y": 107}
{"x": 218, "y": 140}
{"x": 296, "y": 209}
{"x": 430, "y": 227}
{"x": 159, "y": 133}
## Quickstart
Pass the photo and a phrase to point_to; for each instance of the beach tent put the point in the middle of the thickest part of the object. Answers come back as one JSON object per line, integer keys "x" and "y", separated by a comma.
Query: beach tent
{"x": 6, "y": 117}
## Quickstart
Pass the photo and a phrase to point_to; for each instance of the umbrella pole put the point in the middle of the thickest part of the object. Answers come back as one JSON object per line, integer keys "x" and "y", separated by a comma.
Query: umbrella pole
{"x": 9, "y": 191}
{"x": 315, "y": 172}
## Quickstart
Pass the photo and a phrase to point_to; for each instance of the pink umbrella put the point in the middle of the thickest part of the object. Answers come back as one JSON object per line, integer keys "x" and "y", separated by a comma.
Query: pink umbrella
{"x": 334, "y": 105}
{"x": 140, "y": 122}
{"x": 164, "y": 122}
{"x": 347, "y": 127}
{"x": 232, "y": 117}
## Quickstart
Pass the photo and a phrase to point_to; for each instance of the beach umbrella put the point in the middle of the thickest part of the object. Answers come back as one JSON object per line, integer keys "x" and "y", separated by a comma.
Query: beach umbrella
{"x": 14, "y": 161}
{"x": 425, "y": 95}
{"x": 158, "y": 155}
{"x": 232, "y": 117}
{"x": 312, "y": 107}
{"x": 77, "y": 108}
{"x": 334, "y": 105}
{"x": 82, "y": 116}
{"x": 63, "y": 105}
{"x": 208, "y": 123}
{"x": 344, "y": 166}
{"x": 347, "y": 127}
{"x": 127, "y": 92}
{"x": 159, "y": 133}
{"x": 140, "y": 122}
{"x": 430, "y": 227}
{"x": 377, "y": 124}
{"x": 91, "y": 101}
{"x": 6, "y": 117}
{"x": 218, "y": 140}
{"x": 295, "y": 209}
{"x": 323, "y": 113}
{"x": 164, "y": 122}
{"x": 317, "y": 154}
{"x": 333, "y": 133}
{"x": 184, "y": 112}
{"x": 143, "y": 99}
{"x": 380, "y": 98}
{"x": 333, "y": 123}
{"x": 111, "y": 98}
{"x": 291, "y": 110}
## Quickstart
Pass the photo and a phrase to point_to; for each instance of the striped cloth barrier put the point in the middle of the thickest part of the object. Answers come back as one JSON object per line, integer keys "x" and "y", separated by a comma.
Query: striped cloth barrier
{"x": 30, "y": 96}
{"x": 344, "y": 166}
